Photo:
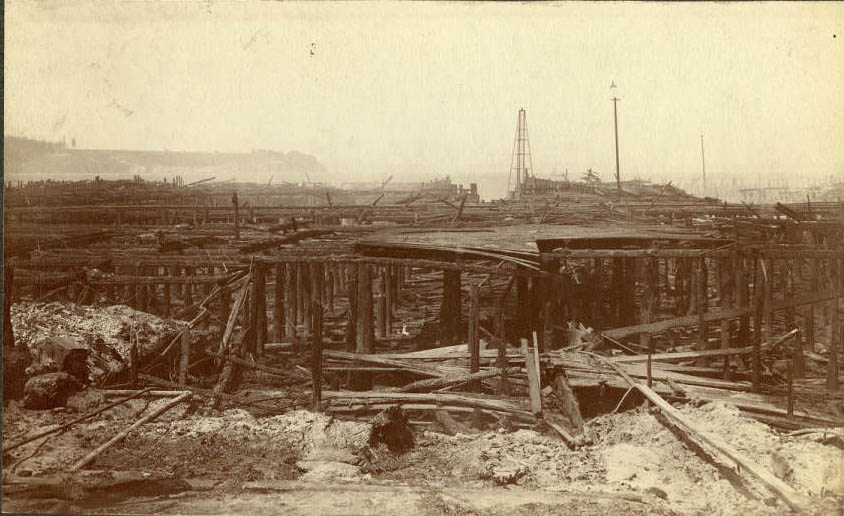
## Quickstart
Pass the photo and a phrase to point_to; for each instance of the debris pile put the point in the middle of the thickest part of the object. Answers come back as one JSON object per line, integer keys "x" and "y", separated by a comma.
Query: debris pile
{"x": 107, "y": 331}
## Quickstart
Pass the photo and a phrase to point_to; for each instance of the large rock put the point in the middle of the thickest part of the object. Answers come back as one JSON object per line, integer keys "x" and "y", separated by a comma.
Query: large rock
{"x": 49, "y": 390}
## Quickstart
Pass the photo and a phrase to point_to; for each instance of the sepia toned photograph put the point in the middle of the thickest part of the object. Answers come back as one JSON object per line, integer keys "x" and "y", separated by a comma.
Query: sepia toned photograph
{"x": 423, "y": 258}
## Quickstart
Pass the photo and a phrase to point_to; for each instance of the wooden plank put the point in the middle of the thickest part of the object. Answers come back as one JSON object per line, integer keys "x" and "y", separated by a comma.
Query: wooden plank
{"x": 129, "y": 396}
{"x": 87, "y": 459}
{"x": 292, "y": 373}
{"x": 442, "y": 398}
{"x": 418, "y": 368}
{"x": 640, "y": 371}
{"x": 711, "y": 353}
{"x": 533, "y": 379}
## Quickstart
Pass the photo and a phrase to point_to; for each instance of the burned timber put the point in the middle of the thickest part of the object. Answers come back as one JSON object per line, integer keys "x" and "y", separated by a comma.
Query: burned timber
{"x": 163, "y": 340}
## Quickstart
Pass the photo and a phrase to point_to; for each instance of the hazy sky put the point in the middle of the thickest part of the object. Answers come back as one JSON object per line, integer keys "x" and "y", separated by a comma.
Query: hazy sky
{"x": 432, "y": 88}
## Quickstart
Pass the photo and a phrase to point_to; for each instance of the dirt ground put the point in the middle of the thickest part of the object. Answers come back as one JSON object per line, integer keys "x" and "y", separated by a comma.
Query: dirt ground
{"x": 306, "y": 463}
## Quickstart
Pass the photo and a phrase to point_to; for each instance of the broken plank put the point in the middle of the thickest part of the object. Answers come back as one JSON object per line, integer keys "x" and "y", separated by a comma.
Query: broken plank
{"x": 533, "y": 379}
{"x": 87, "y": 459}
{"x": 686, "y": 355}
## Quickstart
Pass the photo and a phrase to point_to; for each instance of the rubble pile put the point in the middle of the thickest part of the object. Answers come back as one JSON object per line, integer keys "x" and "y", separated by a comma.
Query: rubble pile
{"x": 107, "y": 331}
{"x": 633, "y": 452}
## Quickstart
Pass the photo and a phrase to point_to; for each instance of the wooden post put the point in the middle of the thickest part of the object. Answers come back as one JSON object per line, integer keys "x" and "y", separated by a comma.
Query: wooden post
{"x": 188, "y": 286}
{"x": 768, "y": 330}
{"x": 134, "y": 362}
{"x": 389, "y": 287}
{"x": 450, "y": 307}
{"x": 759, "y": 294}
{"x": 649, "y": 278}
{"x": 810, "y": 310}
{"x": 185, "y": 356}
{"x": 365, "y": 331}
{"x": 168, "y": 300}
{"x": 331, "y": 290}
{"x": 316, "y": 356}
{"x": 700, "y": 287}
{"x": 307, "y": 297}
{"x": 810, "y": 327}
{"x": 617, "y": 286}
{"x": 300, "y": 293}
{"x": 380, "y": 306}
{"x": 628, "y": 293}
{"x": 352, "y": 315}
{"x": 533, "y": 379}
{"x": 598, "y": 299}
{"x": 251, "y": 313}
{"x": 686, "y": 285}
{"x": 742, "y": 291}
{"x": 645, "y": 309}
{"x": 474, "y": 337}
{"x": 834, "y": 343}
{"x": 278, "y": 305}
{"x": 293, "y": 297}
{"x": 260, "y": 300}
{"x": 724, "y": 293}
{"x": 504, "y": 385}
{"x": 316, "y": 276}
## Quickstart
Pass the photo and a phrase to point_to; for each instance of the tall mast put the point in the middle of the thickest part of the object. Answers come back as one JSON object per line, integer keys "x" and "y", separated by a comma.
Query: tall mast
{"x": 703, "y": 162}
{"x": 617, "y": 167}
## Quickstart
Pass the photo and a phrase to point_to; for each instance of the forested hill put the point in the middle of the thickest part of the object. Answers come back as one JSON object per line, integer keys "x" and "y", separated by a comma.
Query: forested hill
{"x": 25, "y": 159}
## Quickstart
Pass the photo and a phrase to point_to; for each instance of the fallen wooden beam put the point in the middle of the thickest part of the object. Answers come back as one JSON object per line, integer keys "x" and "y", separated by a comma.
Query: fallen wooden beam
{"x": 709, "y": 353}
{"x": 423, "y": 369}
{"x": 293, "y": 374}
{"x": 445, "y": 381}
{"x": 87, "y": 459}
{"x": 89, "y": 415}
{"x": 682, "y": 355}
{"x": 443, "y": 399}
{"x": 639, "y": 371}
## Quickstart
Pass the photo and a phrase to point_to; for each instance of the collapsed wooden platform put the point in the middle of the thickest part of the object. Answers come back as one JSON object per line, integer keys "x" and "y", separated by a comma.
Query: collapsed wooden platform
{"x": 535, "y": 323}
